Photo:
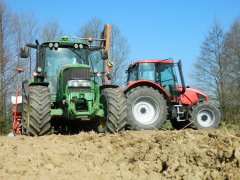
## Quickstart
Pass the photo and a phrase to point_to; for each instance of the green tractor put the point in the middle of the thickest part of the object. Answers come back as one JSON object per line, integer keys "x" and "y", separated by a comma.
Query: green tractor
{"x": 69, "y": 85}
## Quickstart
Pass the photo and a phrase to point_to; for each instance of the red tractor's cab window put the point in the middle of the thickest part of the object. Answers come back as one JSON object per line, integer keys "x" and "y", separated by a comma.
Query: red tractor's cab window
{"x": 161, "y": 73}
{"x": 132, "y": 74}
{"x": 165, "y": 74}
{"x": 146, "y": 71}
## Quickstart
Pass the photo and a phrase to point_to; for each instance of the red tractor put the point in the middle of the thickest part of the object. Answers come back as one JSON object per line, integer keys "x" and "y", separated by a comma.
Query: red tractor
{"x": 154, "y": 95}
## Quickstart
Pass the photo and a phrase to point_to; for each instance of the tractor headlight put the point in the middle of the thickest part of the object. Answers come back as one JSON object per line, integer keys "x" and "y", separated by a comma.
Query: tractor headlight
{"x": 39, "y": 69}
{"x": 56, "y": 45}
{"x": 50, "y": 45}
{"x": 79, "y": 83}
{"x": 75, "y": 46}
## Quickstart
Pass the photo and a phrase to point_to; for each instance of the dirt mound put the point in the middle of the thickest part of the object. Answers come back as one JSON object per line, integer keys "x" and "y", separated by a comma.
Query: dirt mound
{"x": 186, "y": 154}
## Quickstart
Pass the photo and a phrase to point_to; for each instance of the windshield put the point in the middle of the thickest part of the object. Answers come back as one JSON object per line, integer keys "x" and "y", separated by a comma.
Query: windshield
{"x": 55, "y": 59}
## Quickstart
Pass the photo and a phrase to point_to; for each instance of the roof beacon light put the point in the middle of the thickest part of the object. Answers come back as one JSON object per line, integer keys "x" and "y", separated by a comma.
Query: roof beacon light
{"x": 64, "y": 38}
{"x": 90, "y": 39}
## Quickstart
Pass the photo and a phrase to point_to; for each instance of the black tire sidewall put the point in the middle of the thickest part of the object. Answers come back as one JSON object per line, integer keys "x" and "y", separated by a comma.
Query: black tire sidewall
{"x": 205, "y": 106}
{"x": 115, "y": 116}
{"x": 24, "y": 115}
{"x": 144, "y": 91}
{"x": 34, "y": 117}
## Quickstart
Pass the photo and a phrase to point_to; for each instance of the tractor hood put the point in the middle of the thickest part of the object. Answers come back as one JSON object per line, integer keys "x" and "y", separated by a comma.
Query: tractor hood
{"x": 192, "y": 95}
{"x": 74, "y": 72}
{"x": 66, "y": 66}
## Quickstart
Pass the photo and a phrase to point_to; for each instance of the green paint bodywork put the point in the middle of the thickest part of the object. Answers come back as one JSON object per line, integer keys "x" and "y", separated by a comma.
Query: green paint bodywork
{"x": 63, "y": 104}
{"x": 91, "y": 99}
{"x": 64, "y": 40}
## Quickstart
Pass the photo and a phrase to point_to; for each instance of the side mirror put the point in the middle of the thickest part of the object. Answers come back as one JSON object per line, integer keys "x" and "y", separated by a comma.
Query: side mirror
{"x": 24, "y": 52}
{"x": 104, "y": 54}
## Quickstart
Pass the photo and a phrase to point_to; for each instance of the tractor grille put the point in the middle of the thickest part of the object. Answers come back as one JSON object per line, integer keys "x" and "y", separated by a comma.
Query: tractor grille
{"x": 79, "y": 89}
{"x": 75, "y": 73}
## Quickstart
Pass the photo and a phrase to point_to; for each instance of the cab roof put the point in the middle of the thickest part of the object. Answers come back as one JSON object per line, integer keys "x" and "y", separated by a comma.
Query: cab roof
{"x": 65, "y": 40}
{"x": 167, "y": 61}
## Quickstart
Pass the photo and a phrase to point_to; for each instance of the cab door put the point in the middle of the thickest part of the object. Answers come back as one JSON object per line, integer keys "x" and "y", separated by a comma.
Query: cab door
{"x": 165, "y": 77}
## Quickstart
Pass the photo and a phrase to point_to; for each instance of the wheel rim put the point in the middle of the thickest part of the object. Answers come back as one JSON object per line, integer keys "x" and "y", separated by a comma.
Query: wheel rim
{"x": 145, "y": 110}
{"x": 205, "y": 117}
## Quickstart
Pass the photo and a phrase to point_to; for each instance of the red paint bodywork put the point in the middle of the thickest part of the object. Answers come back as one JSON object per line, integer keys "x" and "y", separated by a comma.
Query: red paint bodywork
{"x": 189, "y": 97}
{"x": 167, "y": 61}
{"x": 133, "y": 84}
{"x": 16, "y": 115}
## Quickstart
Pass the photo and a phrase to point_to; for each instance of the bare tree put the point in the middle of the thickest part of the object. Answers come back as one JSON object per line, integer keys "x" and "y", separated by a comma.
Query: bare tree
{"x": 5, "y": 37}
{"x": 51, "y": 31}
{"x": 31, "y": 32}
{"x": 211, "y": 67}
{"x": 232, "y": 56}
{"x": 25, "y": 29}
{"x": 119, "y": 52}
{"x": 119, "y": 48}
{"x": 92, "y": 28}
{"x": 21, "y": 28}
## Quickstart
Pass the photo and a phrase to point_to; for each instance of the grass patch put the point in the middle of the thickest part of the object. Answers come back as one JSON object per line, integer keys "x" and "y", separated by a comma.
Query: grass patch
{"x": 229, "y": 126}
{"x": 167, "y": 125}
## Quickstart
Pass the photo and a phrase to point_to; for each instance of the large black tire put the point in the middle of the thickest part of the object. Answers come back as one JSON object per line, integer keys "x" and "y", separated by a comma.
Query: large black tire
{"x": 204, "y": 115}
{"x": 24, "y": 102}
{"x": 114, "y": 104}
{"x": 36, "y": 111}
{"x": 147, "y": 108}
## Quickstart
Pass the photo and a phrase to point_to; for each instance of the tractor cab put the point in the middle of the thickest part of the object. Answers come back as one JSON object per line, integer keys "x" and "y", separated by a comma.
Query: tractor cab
{"x": 66, "y": 63}
{"x": 57, "y": 56}
{"x": 161, "y": 72}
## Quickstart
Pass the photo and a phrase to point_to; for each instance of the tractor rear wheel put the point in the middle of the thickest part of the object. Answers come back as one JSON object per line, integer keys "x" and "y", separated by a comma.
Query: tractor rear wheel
{"x": 147, "y": 108}
{"x": 115, "y": 115}
{"x": 23, "y": 121}
{"x": 36, "y": 111}
{"x": 204, "y": 115}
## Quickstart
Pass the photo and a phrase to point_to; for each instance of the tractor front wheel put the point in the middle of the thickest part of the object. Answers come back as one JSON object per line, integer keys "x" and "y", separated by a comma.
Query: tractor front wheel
{"x": 146, "y": 107}
{"x": 114, "y": 105}
{"x": 36, "y": 111}
{"x": 205, "y": 115}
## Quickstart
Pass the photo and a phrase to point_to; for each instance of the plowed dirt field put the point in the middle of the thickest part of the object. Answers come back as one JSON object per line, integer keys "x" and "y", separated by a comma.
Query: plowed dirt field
{"x": 184, "y": 154}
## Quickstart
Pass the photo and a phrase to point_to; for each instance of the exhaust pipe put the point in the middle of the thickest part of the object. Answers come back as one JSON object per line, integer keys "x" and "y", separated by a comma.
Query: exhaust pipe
{"x": 181, "y": 76}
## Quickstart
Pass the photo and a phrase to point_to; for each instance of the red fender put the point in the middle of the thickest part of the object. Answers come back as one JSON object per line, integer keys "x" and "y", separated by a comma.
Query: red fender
{"x": 191, "y": 95}
{"x": 133, "y": 84}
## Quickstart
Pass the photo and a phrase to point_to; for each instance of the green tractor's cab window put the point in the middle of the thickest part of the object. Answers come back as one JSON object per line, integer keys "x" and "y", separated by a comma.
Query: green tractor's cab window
{"x": 98, "y": 64}
{"x": 55, "y": 59}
